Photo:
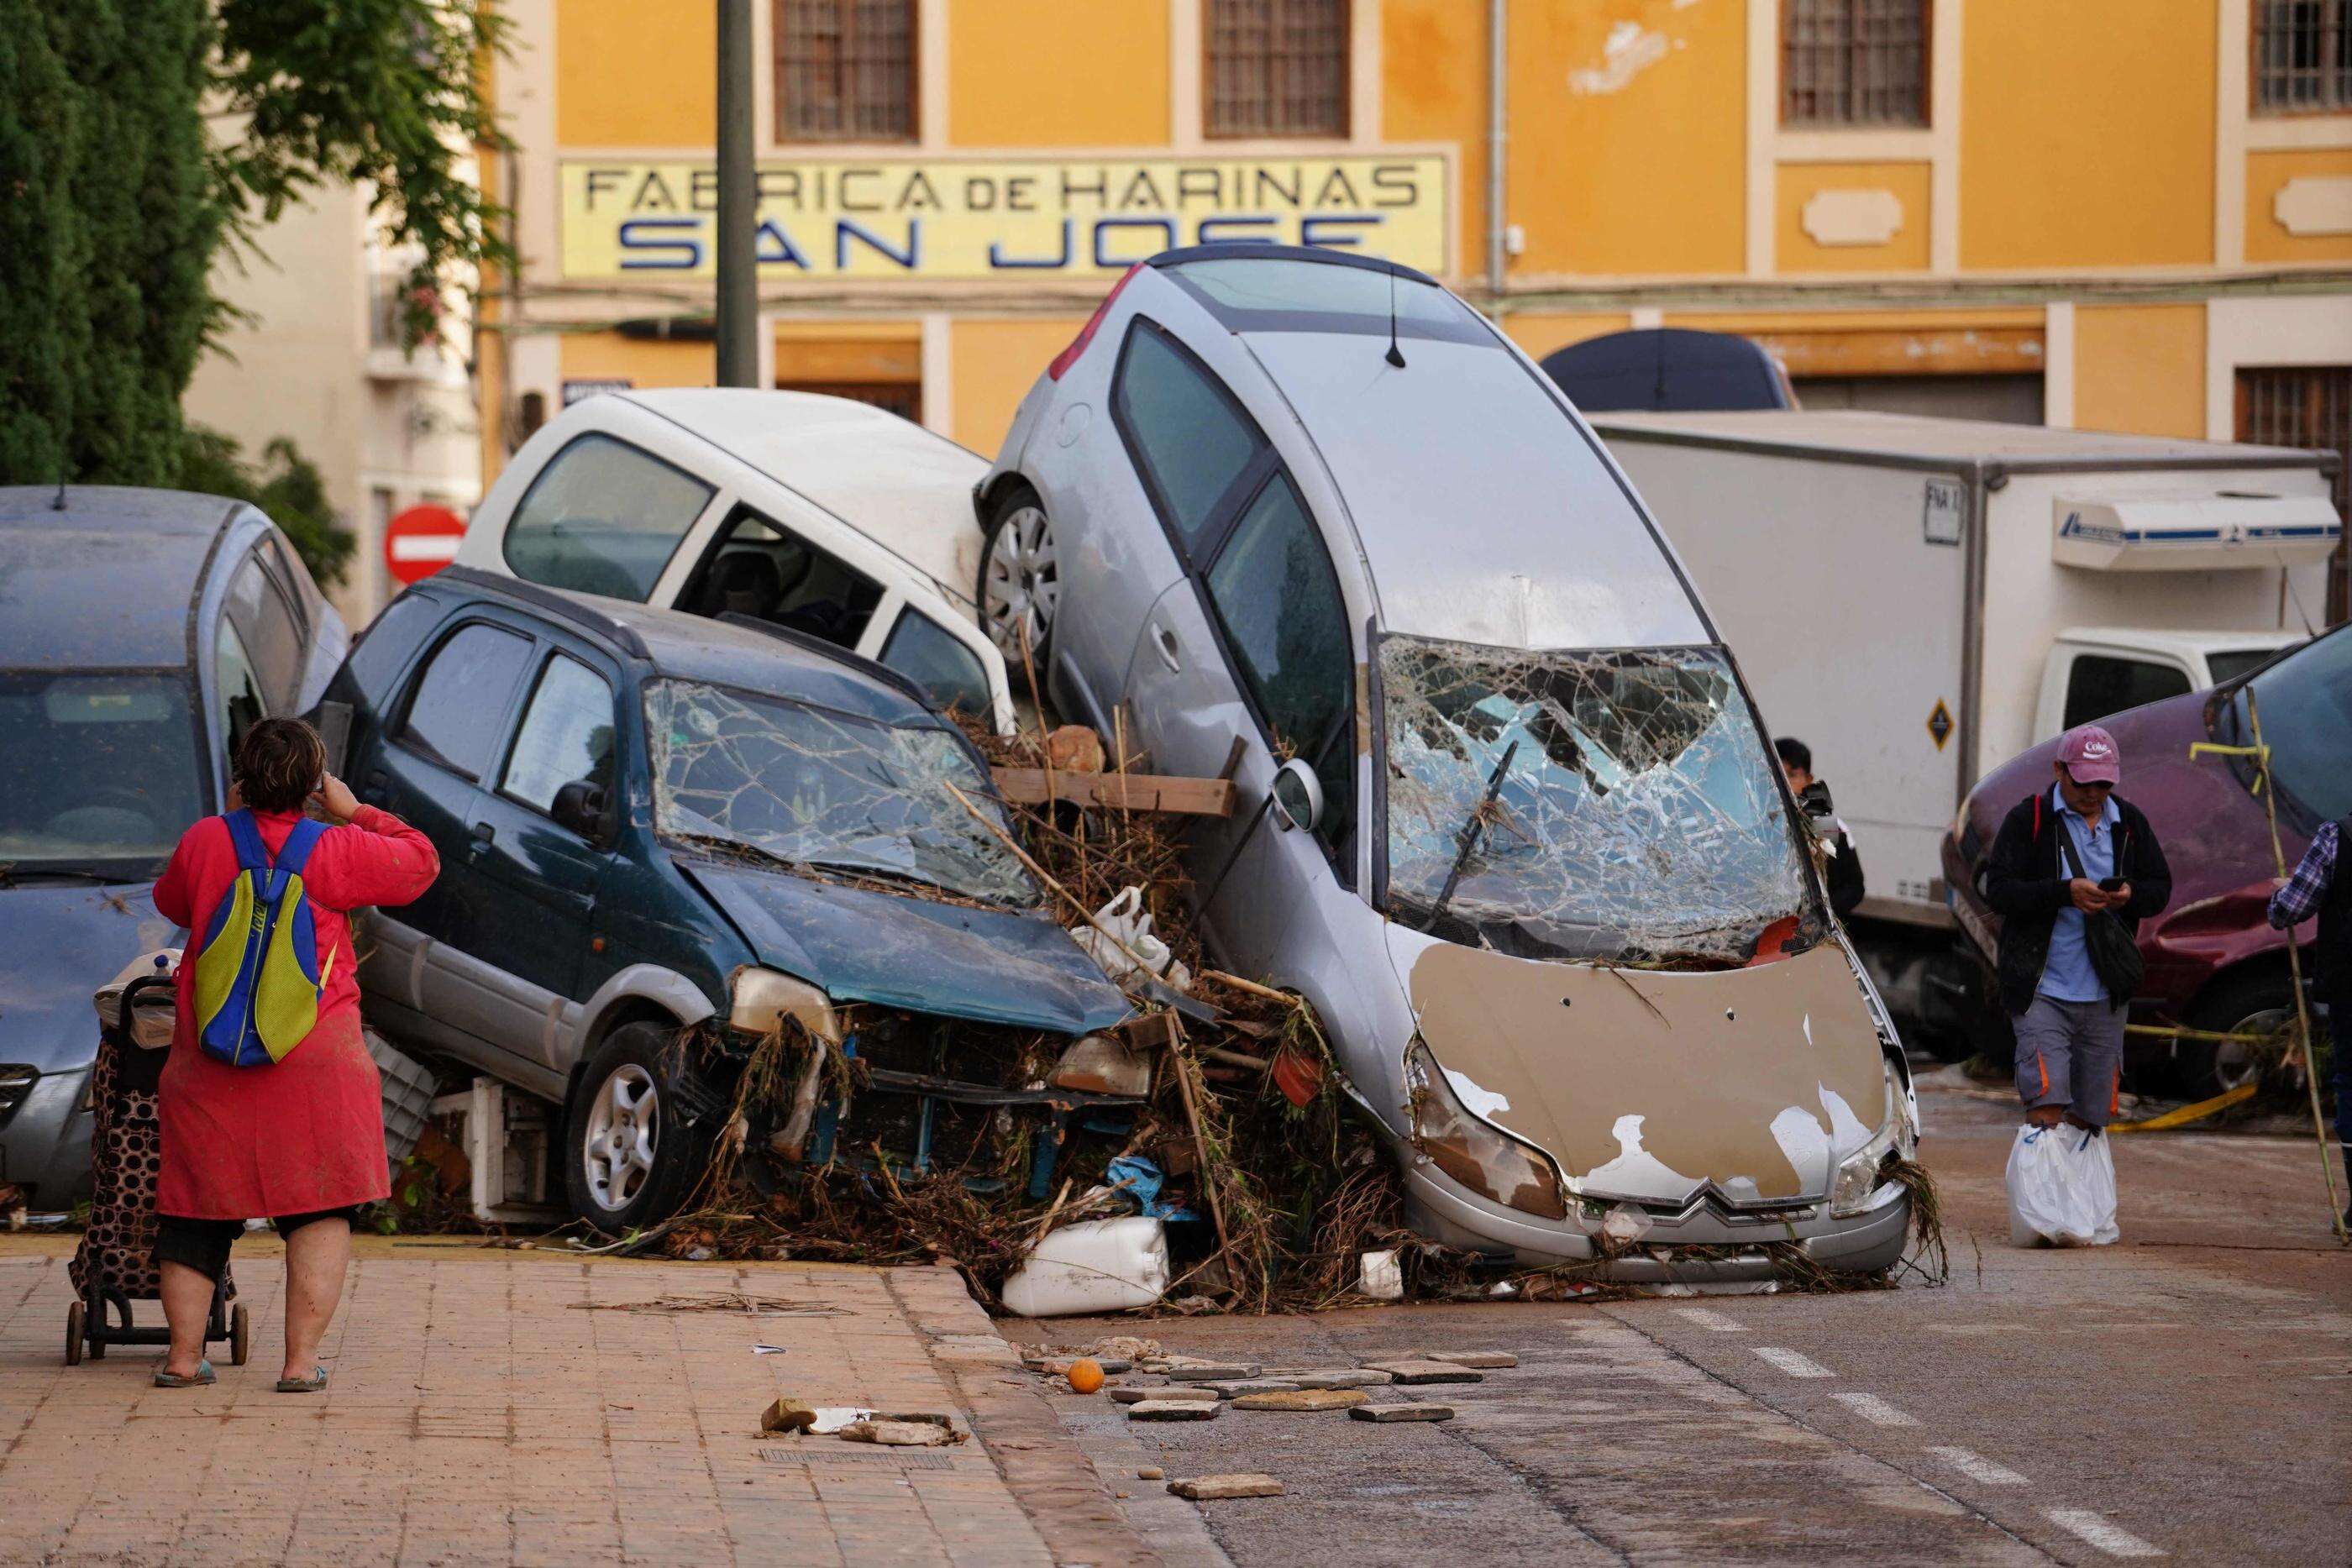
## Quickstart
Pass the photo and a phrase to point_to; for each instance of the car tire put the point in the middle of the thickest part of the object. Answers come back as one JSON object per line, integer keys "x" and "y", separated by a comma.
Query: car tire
{"x": 1020, "y": 575}
{"x": 630, "y": 1152}
{"x": 2257, "y": 1003}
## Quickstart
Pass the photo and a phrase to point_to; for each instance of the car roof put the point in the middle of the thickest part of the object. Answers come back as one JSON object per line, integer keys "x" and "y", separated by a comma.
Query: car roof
{"x": 108, "y": 582}
{"x": 2173, "y": 641}
{"x": 733, "y": 652}
{"x": 901, "y": 485}
{"x": 1863, "y": 434}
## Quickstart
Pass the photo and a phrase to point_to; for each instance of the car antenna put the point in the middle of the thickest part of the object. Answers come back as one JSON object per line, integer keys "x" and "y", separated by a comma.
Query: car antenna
{"x": 1395, "y": 355}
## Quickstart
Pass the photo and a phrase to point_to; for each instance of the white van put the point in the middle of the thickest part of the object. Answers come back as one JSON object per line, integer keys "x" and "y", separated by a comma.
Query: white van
{"x": 826, "y": 518}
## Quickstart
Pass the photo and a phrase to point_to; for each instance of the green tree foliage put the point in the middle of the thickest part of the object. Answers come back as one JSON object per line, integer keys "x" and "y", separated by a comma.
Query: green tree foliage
{"x": 115, "y": 198}
{"x": 284, "y": 484}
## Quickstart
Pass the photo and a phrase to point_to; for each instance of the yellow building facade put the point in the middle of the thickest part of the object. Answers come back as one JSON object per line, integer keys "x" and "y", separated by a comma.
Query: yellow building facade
{"x": 2133, "y": 217}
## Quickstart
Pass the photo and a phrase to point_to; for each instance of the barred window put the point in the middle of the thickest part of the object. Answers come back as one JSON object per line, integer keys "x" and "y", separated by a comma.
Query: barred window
{"x": 2303, "y": 56}
{"x": 1854, "y": 62}
{"x": 845, "y": 70}
{"x": 2308, "y": 406}
{"x": 1276, "y": 68}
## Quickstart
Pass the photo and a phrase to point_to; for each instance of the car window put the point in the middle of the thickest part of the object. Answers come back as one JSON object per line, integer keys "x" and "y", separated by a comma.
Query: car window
{"x": 763, "y": 569}
{"x": 603, "y": 516}
{"x": 1279, "y": 600}
{"x": 236, "y": 687}
{"x": 2226, "y": 664}
{"x": 289, "y": 575}
{"x": 388, "y": 641}
{"x": 462, "y": 694}
{"x": 94, "y": 767}
{"x": 1188, "y": 438}
{"x": 272, "y": 634}
{"x": 2100, "y": 684}
{"x": 929, "y": 655}
{"x": 565, "y": 737}
{"x": 1275, "y": 294}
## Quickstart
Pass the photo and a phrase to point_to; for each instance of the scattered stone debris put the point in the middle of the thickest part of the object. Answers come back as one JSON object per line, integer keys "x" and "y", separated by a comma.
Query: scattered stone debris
{"x": 1486, "y": 1359}
{"x": 1302, "y": 1399}
{"x": 1217, "y": 1489}
{"x": 903, "y": 1432}
{"x": 1402, "y": 1413}
{"x": 1173, "y": 1410}
{"x": 1133, "y": 1394}
{"x": 1241, "y": 1388}
{"x": 1151, "y": 1473}
{"x": 788, "y": 1415}
{"x": 1211, "y": 1370}
{"x": 1349, "y": 1377}
{"x": 1413, "y": 1372}
{"x": 1059, "y": 1365}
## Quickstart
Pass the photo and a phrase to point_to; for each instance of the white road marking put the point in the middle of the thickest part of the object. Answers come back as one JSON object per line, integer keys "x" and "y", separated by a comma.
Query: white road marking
{"x": 426, "y": 546}
{"x": 1707, "y": 1320}
{"x": 1977, "y": 1468}
{"x": 2113, "y": 1540}
{"x": 1789, "y": 1362}
{"x": 1874, "y": 1410}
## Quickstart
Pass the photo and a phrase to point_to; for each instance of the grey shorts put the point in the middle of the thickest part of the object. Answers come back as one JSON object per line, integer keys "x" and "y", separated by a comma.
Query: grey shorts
{"x": 2071, "y": 1054}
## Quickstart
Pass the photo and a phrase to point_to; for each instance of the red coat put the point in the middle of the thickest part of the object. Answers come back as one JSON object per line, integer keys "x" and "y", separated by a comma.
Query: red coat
{"x": 307, "y": 1134}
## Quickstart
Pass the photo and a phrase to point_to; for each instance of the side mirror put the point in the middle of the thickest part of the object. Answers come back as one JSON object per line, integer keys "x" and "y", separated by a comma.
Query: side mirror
{"x": 580, "y": 806}
{"x": 1297, "y": 797}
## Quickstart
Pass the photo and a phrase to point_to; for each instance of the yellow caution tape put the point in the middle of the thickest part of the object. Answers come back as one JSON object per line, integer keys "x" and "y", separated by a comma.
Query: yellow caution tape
{"x": 2182, "y": 1115}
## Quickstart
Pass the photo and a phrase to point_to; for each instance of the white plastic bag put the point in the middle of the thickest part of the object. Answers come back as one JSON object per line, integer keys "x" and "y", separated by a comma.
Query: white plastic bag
{"x": 1123, "y": 916}
{"x": 2061, "y": 1187}
{"x": 1095, "y": 1265}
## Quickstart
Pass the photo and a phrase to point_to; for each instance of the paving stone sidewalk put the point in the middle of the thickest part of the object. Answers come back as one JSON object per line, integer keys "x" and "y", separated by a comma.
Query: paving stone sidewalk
{"x": 496, "y": 1406}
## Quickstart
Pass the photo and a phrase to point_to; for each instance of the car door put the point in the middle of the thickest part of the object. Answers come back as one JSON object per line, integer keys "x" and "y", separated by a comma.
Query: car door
{"x": 533, "y": 880}
{"x": 1256, "y": 644}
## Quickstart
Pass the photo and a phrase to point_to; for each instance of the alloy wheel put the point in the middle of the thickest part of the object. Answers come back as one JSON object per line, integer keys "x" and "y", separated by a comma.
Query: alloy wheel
{"x": 617, "y": 1154}
{"x": 1023, "y": 584}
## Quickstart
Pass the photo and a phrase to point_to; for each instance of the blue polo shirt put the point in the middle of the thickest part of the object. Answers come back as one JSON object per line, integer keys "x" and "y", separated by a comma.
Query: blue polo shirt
{"x": 2067, "y": 975}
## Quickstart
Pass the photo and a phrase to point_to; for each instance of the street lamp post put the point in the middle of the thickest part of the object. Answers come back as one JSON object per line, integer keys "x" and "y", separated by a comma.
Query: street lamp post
{"x": 739, "y": 300}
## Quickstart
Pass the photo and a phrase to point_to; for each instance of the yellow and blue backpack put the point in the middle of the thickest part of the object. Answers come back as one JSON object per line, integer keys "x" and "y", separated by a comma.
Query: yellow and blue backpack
{"x": 258, "y": 977}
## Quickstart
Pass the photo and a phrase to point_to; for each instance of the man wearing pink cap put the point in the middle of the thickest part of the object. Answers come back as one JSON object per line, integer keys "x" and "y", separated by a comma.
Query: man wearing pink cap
{"x": 2067, "y": 857}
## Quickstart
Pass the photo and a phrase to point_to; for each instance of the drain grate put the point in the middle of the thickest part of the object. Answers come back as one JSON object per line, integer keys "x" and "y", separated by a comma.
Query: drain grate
{"x": 859, "y": 1458}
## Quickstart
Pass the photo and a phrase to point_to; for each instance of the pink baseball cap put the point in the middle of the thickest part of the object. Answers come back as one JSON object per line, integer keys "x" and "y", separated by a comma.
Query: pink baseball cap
{"x": 2089, "y": 756}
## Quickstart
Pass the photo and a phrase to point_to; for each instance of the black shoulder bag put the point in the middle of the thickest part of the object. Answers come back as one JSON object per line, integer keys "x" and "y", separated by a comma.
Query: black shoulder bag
{"x": 2115, "y": 955}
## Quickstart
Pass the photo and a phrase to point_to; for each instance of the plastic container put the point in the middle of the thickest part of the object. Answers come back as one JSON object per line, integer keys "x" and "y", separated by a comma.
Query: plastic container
{"x": 408, "y": 1091}
{"x": 1381, "y": 1276}
{"x": 1095, "y": 1265}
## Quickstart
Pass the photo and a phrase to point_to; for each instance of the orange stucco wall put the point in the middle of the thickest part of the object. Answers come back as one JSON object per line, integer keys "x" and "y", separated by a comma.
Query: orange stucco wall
{"x": 1058, "y": 73}
{"x": 632, "y": 75}
{"x": 2140, "y": 367}
{"x": 1905, "y": 250}
{"x": 2267, "y": 239}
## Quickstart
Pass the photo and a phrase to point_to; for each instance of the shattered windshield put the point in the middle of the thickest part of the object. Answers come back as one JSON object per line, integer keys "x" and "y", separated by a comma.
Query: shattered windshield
{"x": 824, "y": 791}
{"x": 1592, "y": 805}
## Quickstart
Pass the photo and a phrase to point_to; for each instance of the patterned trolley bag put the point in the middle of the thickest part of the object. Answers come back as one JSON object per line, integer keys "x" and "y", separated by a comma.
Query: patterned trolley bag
{"x": 115, "y": 1264}
{"x": 258, "y": 977}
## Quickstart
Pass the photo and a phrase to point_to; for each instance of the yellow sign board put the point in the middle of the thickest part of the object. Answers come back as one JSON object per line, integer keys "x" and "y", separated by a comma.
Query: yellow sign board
{"x": 954, "y": 220}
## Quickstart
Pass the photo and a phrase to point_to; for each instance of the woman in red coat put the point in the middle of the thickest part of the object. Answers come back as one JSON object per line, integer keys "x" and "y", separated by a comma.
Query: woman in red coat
{"x": 300, "y": 1141}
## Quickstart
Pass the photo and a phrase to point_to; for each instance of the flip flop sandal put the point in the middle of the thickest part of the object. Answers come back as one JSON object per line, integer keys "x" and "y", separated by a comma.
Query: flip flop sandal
{"x": 196, "y": 1379}
{"x": 310, "y": 1384}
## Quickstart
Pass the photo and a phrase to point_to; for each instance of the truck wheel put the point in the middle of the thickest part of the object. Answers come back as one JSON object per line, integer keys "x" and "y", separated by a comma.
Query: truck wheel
{"x": 2248, "y": 1004}
{"x": 1020, "y": 576}
{"x": 630, "y": 1156}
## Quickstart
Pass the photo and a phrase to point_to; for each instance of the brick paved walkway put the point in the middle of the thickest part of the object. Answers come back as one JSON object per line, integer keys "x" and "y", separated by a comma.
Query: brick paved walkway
{"x": 480, "y": 1413}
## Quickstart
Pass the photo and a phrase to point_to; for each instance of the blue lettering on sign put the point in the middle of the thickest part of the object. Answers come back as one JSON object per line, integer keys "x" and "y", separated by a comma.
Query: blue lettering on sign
{"x": 1311, "y": 231}
{"x": 661, "y": 245}
{"x": 1213, "y": 231}
{"x": 773, "y": 246}
{"x": 844, "y": 231}
{"x": 996, "y": 256}
{"x": 1164, "y": 228}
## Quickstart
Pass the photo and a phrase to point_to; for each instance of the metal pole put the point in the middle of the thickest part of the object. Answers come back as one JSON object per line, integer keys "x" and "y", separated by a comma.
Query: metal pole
{"x": 739, "y": 296}
{"x": 1498, "y": 24}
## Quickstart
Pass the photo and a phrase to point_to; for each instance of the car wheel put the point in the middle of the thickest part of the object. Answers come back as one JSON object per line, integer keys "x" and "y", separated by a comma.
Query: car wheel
{"x": 631, "y": 1154}
{"x": 2248, "y": 1004}
{"x": 1020, "y": 575}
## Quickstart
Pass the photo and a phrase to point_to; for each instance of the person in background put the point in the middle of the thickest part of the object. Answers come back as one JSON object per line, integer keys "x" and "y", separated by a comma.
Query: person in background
{"x": 300, "y": 1139}
{"x": 2319, "y": 887}
{"x": 2070, "y": 854}
{"x": 1844, "y": 873}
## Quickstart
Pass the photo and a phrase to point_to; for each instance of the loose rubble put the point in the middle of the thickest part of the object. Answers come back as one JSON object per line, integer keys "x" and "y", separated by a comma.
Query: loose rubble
{"x": 1217, "y": 1489}
{"x": 1402, "y": 1413}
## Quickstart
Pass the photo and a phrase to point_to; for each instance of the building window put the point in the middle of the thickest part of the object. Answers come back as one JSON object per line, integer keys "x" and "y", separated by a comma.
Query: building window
{"x": 2308, "y": 406}
{"x": 1275, "y": 68}
{"x": 2303, "y": 56}
{"x": 845, "y": 70}
{"x": 1854, "y": 62}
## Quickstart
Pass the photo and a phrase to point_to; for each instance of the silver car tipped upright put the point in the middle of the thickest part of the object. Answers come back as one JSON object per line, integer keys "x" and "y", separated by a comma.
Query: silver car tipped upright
{"x": 1522, "y": 845}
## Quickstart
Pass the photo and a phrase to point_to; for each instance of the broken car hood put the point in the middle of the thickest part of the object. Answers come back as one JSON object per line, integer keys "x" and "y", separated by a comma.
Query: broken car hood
{"x": 989, "y": 965}
{"x": 1649, "y": 1084}
{"x": 60, "y": 942}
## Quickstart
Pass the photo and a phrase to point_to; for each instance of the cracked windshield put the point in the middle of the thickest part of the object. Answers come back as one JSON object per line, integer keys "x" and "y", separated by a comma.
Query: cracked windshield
{"x": 1613, "y": 805}
{"x": 824, "y": 791}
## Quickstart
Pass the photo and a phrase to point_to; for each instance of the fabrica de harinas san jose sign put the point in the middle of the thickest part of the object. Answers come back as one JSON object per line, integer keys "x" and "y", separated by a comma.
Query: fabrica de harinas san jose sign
{"x": 953, "y": 220}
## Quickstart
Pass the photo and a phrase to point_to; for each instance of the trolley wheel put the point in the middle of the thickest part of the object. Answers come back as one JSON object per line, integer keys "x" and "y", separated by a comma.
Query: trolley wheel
{"x": 240, "y": 1336}
{"x": 73, "y": 1335}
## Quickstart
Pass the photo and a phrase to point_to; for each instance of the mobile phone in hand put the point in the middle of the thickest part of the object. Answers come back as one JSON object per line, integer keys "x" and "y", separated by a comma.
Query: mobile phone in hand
{"x": 2110, "y": 884}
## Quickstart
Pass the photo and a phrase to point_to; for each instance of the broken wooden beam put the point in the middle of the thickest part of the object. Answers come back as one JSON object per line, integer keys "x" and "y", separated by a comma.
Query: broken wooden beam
{"x": 1132, "y": 791}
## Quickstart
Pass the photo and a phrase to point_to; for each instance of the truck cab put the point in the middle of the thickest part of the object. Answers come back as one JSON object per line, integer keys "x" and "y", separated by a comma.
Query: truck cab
{"x": 2094, "y": 671}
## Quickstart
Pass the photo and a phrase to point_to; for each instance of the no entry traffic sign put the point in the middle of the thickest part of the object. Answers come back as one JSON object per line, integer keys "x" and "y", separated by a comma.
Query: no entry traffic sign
{"x": 421, "y": 541}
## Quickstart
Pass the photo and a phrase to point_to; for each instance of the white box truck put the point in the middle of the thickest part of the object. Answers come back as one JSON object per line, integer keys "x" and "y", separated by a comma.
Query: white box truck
{"x": 1919, "y": 600}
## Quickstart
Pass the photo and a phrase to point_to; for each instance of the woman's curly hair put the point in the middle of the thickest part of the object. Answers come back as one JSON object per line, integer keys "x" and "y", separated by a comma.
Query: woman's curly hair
{"x": 279, "y": 764}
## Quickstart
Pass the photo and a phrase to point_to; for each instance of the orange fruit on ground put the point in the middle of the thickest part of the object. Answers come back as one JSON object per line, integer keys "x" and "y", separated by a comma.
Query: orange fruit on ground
{"x": 1086, "y": 1374}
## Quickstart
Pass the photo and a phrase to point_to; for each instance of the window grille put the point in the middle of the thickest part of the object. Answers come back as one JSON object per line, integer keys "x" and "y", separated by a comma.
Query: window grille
{"x": 2303, "y": 56}
{"x": 1854, "y": 62}
{"x": 2308, "y": 406}
{"x": 845, "y": 70}
{"x": 1276, "y": 68}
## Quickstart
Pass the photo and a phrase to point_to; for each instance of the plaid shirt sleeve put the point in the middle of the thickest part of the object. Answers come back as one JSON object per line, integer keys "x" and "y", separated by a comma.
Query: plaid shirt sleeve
{"x": 2298, "y": 901}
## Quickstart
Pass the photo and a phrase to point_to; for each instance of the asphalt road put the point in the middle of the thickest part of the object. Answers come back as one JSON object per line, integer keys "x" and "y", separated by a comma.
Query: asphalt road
{"x": 2186, "y": 1392}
